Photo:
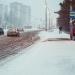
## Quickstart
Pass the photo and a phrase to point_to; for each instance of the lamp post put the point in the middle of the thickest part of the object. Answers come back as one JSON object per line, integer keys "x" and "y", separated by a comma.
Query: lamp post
{"x": 46, "y": 15}
{"x": 49, "y": 20}
{"x": 71, "y": 25}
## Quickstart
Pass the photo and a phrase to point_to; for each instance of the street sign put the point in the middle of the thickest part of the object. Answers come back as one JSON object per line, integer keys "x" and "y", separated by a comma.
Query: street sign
{"x": 72, "y": 14}
{"x": 73, "y": 17}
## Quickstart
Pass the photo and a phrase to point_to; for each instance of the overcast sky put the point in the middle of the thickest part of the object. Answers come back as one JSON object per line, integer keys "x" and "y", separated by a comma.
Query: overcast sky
{"x": 38, "y": 8}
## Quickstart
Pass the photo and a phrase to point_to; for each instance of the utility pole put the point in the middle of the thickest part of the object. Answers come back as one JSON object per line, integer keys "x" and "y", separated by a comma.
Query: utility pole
{"x": 46, "y": 15}
{"x": 71, "y": 26}
{"x": 49, "y": 20}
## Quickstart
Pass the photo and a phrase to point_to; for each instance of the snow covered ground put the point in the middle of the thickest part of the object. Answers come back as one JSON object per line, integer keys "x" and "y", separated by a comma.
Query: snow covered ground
{"x": 54, "y": 34}
{"x": 43, "y": 58}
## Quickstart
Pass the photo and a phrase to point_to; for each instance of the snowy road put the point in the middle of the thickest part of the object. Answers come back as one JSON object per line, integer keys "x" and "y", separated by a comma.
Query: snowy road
{"x": 44, "y": 58}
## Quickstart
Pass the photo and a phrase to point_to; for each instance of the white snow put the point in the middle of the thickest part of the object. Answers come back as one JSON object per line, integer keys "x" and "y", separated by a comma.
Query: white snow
{"x": 5, "y": 31}
{"x": 54, "y": 34}
{"x": 43, "y": 58}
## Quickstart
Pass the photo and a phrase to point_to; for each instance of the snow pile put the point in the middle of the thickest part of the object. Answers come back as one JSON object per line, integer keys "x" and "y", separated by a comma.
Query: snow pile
{"x": 55, "y": 34}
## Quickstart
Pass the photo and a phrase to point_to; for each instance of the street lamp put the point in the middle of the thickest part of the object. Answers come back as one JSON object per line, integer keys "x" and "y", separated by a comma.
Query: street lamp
{"x": 71, "y": 26}
{"x": 46, "y": 15}
{"x": 49, "y": 19}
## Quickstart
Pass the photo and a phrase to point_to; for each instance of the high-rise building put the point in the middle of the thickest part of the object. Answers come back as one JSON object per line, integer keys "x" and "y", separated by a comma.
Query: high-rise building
{"x": 20, "y": 15}
{"x": 1, "y": 15}
{"x": 6, "y": 16}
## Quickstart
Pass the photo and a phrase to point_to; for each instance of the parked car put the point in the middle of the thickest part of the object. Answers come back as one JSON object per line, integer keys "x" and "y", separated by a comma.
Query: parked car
{"x": 13, "y": 33}
{"x": 1, "y": 31}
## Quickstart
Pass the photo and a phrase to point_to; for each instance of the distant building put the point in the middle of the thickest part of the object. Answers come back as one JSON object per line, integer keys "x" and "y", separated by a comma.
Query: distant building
{"x": 6, "y": 16}
{"x": 20, "y": 15}
{"x": 16, "y": 15}
{"x": 1, "y": 15}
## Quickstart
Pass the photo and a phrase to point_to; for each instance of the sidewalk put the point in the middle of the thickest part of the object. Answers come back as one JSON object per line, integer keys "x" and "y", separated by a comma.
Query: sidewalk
{"x": 44, "y": 58}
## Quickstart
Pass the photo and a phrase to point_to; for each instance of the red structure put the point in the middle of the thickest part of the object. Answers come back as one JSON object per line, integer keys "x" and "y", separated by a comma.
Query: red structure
{"x": 64, "y": 14}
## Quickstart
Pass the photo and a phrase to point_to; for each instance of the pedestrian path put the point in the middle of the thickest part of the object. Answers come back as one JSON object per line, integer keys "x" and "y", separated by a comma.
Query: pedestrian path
{"x": 44, "y": 58}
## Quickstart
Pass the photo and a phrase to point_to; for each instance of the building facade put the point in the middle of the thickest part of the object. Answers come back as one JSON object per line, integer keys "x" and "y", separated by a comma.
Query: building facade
{"x": 64, "y": 19}
{"x": 15, "y": 15}
{"x": 3, "y": 15}
{"x": 64, "y": 14}
{"x": 20, "y": 15}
